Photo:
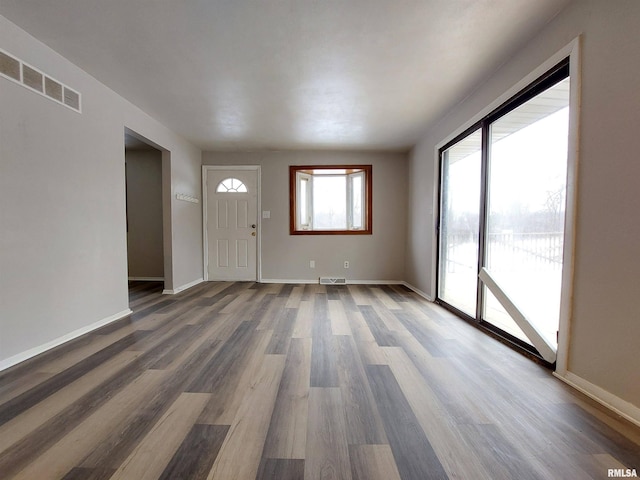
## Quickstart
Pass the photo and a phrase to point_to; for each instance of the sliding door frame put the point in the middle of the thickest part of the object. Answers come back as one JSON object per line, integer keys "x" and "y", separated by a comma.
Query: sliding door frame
{"x": 565, "y": 64}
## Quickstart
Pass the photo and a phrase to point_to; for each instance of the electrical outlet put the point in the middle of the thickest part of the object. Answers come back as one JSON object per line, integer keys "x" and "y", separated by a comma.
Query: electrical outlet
{"x": 346, "y": 264}
{"x": 312, "y": 264}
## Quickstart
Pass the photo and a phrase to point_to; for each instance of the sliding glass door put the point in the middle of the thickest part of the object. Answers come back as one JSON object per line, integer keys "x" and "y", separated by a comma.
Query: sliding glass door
{"x": 459, "y": 227}
{"x": 526, "y": 198}
{"x": 502, "y": 209}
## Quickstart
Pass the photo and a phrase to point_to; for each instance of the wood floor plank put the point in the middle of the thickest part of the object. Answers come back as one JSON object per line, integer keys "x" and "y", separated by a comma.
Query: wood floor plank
{"x": 428, "y": 338}
{"x": 303, "y": 327}
{"x": 239, "y": 301}
{"x": 360, "y": 297}
{"x": 292, "y": 382}
{"x": 213, "y": 289}
{"x": 68, "y": 452}
{"x": 118, "y": 444}
{"x": 583, "y": 424}
{"x": 20, "y": 426}
{"x": 237, "y": 347}
{"x": 47, "y": 434}
{"x": 324, "y": 370}
{"x": 382, "y": 296}
{"x": 241, "y": 452}
{"x": 327, "y": 454}
{"x": 98, "y": 342}
{"x": 80, "y": 473}
{"x": 359, "y": 327}
{"x": 388, "y": 317}
{"x": 370, "y": 352}
{"x": 153, "y": 453}
{"x": 270, "y": 316}
{"x": 399, "y": 293}
{"x": 338, "y": 318}
{"x": 19, "y": 385}
{"x": 217, "y": 330}
{"x": 607, "y": 461}
{"x": 282, "y": 332}
{"x": 617, "y": 423}
{"x": 155, "y": 307}
{"x": 384, "y": 337}
{"x": 287, "y": 435}
{"x": 435, "y": 420}
{"x": 294, "y": 298}
{"x": 196, "y": 455}
{"x": 563, "y": 465}
{"x": 31, "y": 397}
{"x": 414, "y": 455}
{"x": 427, "y": 321}
{"x": 373, "y": 462}
{"x": 499, "y": 455}
{"x": 280, "y": 469}
{"x": 363, "y": 422}
{"x": 227, "y": 398}
{"x": 453, "y": 392}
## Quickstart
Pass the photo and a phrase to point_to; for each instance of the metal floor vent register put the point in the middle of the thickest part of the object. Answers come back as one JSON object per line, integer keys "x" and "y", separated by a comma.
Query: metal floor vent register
{"x": 333, "y": 281}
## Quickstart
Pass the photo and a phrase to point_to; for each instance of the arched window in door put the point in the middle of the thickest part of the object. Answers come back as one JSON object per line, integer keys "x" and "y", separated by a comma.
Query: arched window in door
{"x": 231, "y": 185}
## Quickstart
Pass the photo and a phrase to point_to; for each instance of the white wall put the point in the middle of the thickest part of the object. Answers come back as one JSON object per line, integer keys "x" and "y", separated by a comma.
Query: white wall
{"x": 145, "y": 249}
{"x": 377, "y": 257}
{"x": 63, "y": 260}
{"x": 603, "y": 347}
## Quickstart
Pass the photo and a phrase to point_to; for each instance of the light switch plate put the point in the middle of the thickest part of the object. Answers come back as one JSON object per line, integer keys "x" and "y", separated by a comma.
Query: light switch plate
{"x": 266, "y": 214}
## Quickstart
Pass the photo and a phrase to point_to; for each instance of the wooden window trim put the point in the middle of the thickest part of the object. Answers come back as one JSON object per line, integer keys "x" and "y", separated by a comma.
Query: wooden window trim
{"x": 368, "y": 201}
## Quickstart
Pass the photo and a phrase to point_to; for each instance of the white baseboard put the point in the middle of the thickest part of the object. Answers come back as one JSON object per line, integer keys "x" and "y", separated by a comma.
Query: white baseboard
{"x": 607, "y": 399}
{"x": 288, "y": 280}
{"x": 32, "y": 352}
{"x": 374, "y": 282}
{"x": 317, "y": 281}
{"x": 419, "y": 292}
{"x": 146, "y": 279}
{"x": 183, "y": 287}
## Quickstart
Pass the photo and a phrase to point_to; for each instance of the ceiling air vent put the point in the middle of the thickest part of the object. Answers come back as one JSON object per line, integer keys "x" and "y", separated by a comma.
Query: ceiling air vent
{"x": 32, "y": 78}
{"x": 9, "y": 66}
{"x": 333, "y": 281}
{"x": 37, "y": 81}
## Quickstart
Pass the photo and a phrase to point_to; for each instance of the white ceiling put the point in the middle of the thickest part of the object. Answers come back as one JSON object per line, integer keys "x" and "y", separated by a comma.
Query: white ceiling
{"x": 288, "y": 74}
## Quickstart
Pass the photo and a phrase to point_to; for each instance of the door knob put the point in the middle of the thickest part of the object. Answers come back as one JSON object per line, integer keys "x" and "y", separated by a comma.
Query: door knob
{"x": 253, "y": 234}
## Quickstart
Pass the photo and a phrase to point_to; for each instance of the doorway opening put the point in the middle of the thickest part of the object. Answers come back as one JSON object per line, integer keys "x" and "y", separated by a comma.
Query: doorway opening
{"x": 147, "y": 177}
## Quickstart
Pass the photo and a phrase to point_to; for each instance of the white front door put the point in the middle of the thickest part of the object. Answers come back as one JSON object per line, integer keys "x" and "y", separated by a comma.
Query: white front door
{"x": 231, "y": 222}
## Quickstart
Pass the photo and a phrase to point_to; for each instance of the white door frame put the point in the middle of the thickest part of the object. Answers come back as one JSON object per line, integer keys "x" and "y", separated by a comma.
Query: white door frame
{"x": 205, "y": 240}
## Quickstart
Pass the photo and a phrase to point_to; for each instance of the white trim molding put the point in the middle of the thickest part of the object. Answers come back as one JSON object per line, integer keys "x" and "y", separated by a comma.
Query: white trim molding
{"x": 183, "y": 287}
{"x": 607, "y": 399}
{"x": 146, "y": 279}
{"x": 32, "y": 352}
{"x": 289, "y": 281}
{"x": 317, "y": 281}
{"x": 424, "y": 295}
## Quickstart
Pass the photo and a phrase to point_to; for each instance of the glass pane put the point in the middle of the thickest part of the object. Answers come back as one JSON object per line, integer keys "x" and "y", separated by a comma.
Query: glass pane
{"x": 303, "y": 207}
{"x": 329, "y": 202}
{"x": 458, "y": 269}
{"x": 356, "y": 200}
{"x": 526, "y": 192}
{"x": 231, "y": 185}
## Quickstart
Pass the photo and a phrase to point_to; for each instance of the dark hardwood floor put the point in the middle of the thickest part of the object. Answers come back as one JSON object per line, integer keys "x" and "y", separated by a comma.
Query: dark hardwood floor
{"x": 254, "y": 381}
